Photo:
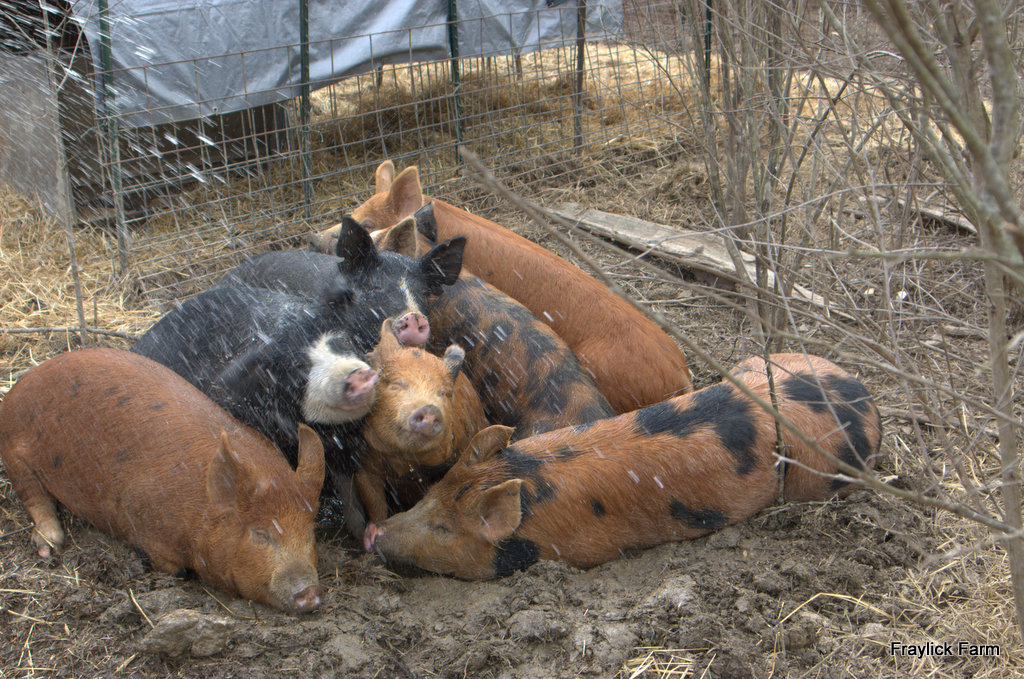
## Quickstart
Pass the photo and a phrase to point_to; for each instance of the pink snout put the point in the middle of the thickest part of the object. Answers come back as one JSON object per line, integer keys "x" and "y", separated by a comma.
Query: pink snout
{"x": 426, "y": 421}
{"x": 370, "y": 536}
{"x": 360, "y": 387}
{"x": 306, "y": 600}
{"x": 412, "y": 329}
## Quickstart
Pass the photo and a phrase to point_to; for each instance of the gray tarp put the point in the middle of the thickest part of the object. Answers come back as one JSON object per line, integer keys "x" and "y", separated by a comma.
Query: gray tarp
{"x": 177, "y": 60}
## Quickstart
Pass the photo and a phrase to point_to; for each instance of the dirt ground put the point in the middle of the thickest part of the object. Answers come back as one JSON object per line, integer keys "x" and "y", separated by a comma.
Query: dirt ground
{"x": 800, "y": 590}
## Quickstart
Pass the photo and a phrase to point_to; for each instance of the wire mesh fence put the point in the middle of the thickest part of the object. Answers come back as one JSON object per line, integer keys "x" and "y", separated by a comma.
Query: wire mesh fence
{"x": 193, "y": 196}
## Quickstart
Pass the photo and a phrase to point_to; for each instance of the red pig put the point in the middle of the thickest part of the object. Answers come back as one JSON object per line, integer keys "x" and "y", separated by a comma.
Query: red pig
{"x": 594, "y": 322}
{"x": 425, "y": 414}
{"x": 675, "y": 470}
{"x": 135, "y": 450}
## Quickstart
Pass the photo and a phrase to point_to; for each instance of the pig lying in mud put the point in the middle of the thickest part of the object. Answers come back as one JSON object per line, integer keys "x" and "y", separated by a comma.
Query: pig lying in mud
{"x": 592, "y": 320}
{"x": 138, "y": 452}
{"x": 381, "y": 284}
{"x": 526, "y": 376}
{"x": 426, "y": 413}
{"x": 675, "y": 470}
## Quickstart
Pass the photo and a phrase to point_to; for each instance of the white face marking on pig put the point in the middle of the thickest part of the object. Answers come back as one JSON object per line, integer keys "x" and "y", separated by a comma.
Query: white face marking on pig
{"x": 327, "y": 374}
{"x": 410, "y": 302}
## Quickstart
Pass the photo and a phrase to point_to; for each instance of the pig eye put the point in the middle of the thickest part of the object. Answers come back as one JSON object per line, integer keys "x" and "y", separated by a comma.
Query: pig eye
{"x": 446, "y": 393}
{"x": 399, "y": 384}
{"x": 260, "y": 536}
{"x": 442, "y": 528}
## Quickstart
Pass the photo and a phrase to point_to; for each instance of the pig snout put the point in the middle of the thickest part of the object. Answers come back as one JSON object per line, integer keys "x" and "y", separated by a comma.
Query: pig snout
{"x": 359, "y": 387}
{"x": 370, "y": 536}
{"x": 412, "y": 329}
{"x": 357, "y": 391}
{"x": 306, "y": 600}
{"x": 426, "y": 421}
{"x": 296, "y": 588}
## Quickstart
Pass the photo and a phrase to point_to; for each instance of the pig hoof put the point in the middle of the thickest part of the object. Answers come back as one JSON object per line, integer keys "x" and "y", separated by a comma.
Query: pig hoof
{"x": 305, "y": 601}
{"x": 370, "y": 536}
{"x": 412, "y": 329}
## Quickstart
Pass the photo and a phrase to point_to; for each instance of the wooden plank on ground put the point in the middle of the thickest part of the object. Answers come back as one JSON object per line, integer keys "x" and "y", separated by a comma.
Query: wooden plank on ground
{"x": 694, "y": 250}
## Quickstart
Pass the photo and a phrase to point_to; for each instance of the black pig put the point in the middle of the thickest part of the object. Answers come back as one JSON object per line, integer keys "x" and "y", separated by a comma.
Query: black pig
{"x": 382, "y": 284}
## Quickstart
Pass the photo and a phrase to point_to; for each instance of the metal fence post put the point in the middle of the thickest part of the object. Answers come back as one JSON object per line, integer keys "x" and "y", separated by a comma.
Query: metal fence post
{"x": 453, "y": 47}
{"x": 305, "y": 157}
{"x": 113, "y": 138}
{"x": 577, "y": 95}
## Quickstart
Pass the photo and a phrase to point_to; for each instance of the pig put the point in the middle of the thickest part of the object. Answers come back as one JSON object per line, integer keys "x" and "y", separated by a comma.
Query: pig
{"x": 526, "y": 376}
{"x": 381, "y": 284}
{"x": 426, "y": 412}
{"x": 594, "y": 322}
{"x": 126, "y": 444}
{"x": 272, "y": 360}
{"x": 675, "y": 470}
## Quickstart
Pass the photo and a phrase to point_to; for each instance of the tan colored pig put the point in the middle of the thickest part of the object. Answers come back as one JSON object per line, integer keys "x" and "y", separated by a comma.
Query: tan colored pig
{"x": 134, "y": 449}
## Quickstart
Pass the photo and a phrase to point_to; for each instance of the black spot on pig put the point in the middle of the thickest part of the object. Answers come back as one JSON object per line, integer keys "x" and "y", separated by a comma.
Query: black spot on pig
{"x": 519, "y": 465}
{"x": 597, "y": 507}
{"x": 123, "y": 401}
{"x": 719, "y": 407}
{"x": 157, "y": 406}
{"x": 541, "y": 492}
{"x": 700, "y": 519}
{"x": 851, "y": 391}
{"x": 514, "y": 554}
{"x": 805, "y": 389}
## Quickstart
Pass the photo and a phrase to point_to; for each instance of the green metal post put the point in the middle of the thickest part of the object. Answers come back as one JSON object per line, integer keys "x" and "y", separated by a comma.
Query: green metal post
{"x": 577, "y": 95}
{"x": 306, "y": 161}
{"x": 113, "y": 138}
{"x": 453, "y": 47}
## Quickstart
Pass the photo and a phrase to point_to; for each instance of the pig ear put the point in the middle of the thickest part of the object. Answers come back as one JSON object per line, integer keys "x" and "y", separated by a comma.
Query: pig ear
{"x": 388, "y": 344}
{"x": 500, "y": 510}
{"x": 384, "y": 176}
{"x": 223, "y": 479}
{"x": 310, "y": 469}
{"x": 453, "y": 359}
{"x": 426, "y": 223}
{"x": 355, "y": 247}
{"x": 486, "y": 443}
{"x": 406, "y": 195}
{"x": 441, "y": 266}
{"x": 401, "y": 238}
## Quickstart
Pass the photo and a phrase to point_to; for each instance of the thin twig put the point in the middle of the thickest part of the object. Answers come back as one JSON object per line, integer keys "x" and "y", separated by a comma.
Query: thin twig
{"x": 72, "y": 329}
